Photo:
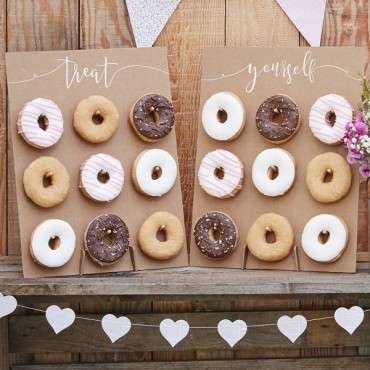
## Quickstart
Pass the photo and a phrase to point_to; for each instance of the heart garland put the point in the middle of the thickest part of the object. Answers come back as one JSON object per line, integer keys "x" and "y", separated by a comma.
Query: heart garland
{"x": 59, "y": 319}
{"x": 292, "y": 327}
{"x": 232, "y": 331}
{"x": 8, "y": 305}
{"x": 349, "y": 319}
{"x": 174, "y": 331}
{"x": 115, "y": 327}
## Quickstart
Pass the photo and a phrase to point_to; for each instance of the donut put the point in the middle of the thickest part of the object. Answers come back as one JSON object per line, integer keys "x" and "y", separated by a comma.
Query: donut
{"x": 273, "y": 172}
{"x": 154, "y": 172}
{"x": 216, "y": 235}
{"x": 324, "y": 238}
{"x": 53, "y": 243}
{"x": 152, "y": 117}
{"x": 95, "y": 119}
{"x": 270, "y": 238}
{"x": 46, "y": 182}
{"x": 223, "y": 116}
{"x": 40, "y": 123}
{"x": 106, "y": 239}
{"x": 221, "y": 174}
{"x": 278, "y": 119}
{"x": 328, "y": 118}
{"x": 101, "y": 177}
{"x": 173, "y": 233}
{"x": 328, "y": 177}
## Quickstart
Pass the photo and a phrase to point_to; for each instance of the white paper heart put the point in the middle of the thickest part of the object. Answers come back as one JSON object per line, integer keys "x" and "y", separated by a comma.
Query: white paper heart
{"x": 8, "y": 304}
{"x": 349, "y": 319}
{"x": 232, "y": 332}
{"x": 174, "y": 331}
{"x": 292, "y": 327}
{"x": 115, "y": 327}
{"x": 59, "y": 319}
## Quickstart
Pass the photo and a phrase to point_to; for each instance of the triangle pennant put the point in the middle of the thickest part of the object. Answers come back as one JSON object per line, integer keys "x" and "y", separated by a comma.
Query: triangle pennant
{"x": 307, "y": 16}
{"x": 148, "y": 18}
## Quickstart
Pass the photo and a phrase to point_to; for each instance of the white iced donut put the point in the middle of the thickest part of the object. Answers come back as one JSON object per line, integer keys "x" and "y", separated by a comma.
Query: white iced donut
{"x": 221, "y": 174}
{"x": 53, "y": 243}
{"x": 273, "y": 172}
{"x": 324, "y": 238}
{"x": 154, "y": 172}
{"x": 328, "y": 118}
{"x": 40, "y": 123}
{"x": 223, "y": 116}
{"x": 102, "y": 177}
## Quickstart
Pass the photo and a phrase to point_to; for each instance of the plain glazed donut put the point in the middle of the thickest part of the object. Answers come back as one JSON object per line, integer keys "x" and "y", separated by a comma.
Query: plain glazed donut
{"x": 40, "y": 123}
{"x": 328, "y": 177}
{"x": 171, "y": 227}
{"x": 101, "y": 177}
{"x": 216, "y": 235}
{"x": 95, "y": 119}
{"x": 46, "y": 182}
{"x": 106, "y": 239}
{"x": 273, "y": 172}
{"x": 152, "y": 117}
{"x": 276, "y": 249}
{"x": 328, "y": 118}
{"x": 335, "y": 232}
{"x": 221, "y": 174}
{"x": 223, "y": 116}
{"x": 154, "y": 172}
{"x": 52, "y": 243}
{"x": 278, "y": 119}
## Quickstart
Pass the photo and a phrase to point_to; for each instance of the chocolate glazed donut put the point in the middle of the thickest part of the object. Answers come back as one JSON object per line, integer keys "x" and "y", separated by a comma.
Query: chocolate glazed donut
{"x": 106, "y": 239}
{"x": 152, "y": 117}
{"x": 278, "y": 119}
{"x": 216, "y": 235}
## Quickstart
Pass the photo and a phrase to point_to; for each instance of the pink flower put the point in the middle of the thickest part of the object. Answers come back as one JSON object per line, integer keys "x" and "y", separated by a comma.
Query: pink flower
{"x": 364, "y": 169}
{"x": 361, "y": 125}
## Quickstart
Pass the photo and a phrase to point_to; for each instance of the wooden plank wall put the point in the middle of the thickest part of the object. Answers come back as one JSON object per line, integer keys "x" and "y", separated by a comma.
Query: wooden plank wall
{"x": 73, "y": 24}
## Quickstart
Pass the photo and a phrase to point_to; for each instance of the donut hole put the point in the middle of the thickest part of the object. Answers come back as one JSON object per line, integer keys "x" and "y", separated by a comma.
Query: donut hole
{"x": 154, "y": 115}
{"x": 323, "y": 237}
{"x": 156, "y": 173}
{"x": 47, "y": 180}
{"x": 54, "y": 243}
{"x": 103, "y": 176}
{"x": 270, "y": 236}
{"x": 97, "y": 118}
{"x": 43, "y": 122}
{"x": 221, "y": 116}
{"x": 219, "y": 172}
{"x": 161, "y": 234}
{"x": 328, "y": 175}
{"x": 277, "y": 116}
{"x": 273, "y": 172}
{"x": 214, "y": 234}
{"x": 330, "y": 118}
{"x": 109, "y": 237}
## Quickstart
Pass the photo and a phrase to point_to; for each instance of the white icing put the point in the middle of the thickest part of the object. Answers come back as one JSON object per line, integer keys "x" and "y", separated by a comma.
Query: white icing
{"x": 284, "y": 162}
{"x": 234, "y": 109}
{"x": 317, "y": 119}
{"x": 41, "y": 236}
{"x": 333, "y": 247}
{"x": 233, "y": 173}
{"x": 28, "y": 122}
{"x": 146, "y": 163}
{"x": 102, "y": 192}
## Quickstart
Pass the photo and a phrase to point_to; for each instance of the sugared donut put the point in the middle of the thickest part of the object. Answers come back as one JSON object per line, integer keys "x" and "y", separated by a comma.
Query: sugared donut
{"x": 154, "y": 172}
{"x": 324, "y": 238}
{"x": 170, "y": 227}
{"x": 328, "y": 118}
{"x": 270, "y": 238}
{"x": 46, "y": 182}
{"x": 221, "y": 174}
{"x": 278, "y": 119}
{"x": 223, "y": 116}
{"x": 106, "y": 239}
{"x": 40, "y": 123}
{"x": 273, "y": 172}
{"x": 96, "y": 119}
{"x": 328, "y": 177}
{"x": 101, "y": 177}
{"x": 52, "y": 243}
{"x": 216, "y": 235}
{"x": 152, "y": 117}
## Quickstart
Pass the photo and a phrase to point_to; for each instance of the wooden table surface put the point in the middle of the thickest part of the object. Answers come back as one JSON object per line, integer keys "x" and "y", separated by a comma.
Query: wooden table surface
{"x": 27, "y": 25}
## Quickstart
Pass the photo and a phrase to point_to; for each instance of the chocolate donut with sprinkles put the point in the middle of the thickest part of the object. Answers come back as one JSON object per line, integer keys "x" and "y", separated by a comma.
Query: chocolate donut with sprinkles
{"x": 216, "y": 235}
{"x": 278, "y": 119}
{"x": 152, "y": 117}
